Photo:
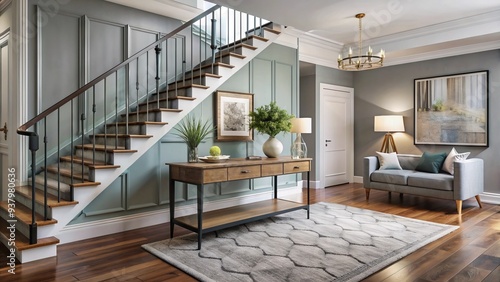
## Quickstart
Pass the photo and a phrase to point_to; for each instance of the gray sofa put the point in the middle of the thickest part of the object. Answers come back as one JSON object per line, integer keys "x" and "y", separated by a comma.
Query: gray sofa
{"x": 467, "y": 181}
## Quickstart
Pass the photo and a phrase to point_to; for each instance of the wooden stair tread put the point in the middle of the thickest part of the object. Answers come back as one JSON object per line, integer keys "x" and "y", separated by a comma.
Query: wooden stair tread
{"x": 102, "y": 148}
{"x": 111, "y": 135}
{"x": 272, "y": 30}
{"x": 85, "y": 184}
{"x": 22, "y": 242}
{"x": 154, "y": 111}
{"x": 240, "y": 43}
{"x": 23, "y": 214}
{"x": 78, "y": 160}
{"x": 88, "y": 162}
{"x": 51, "y": 199}
{"x": 215, "y": 64}
{"x": 174, "y": 85}
{"x": 138, "y": 123}
{"x": 169, "y": 99}
{"x": 67, "y": 173}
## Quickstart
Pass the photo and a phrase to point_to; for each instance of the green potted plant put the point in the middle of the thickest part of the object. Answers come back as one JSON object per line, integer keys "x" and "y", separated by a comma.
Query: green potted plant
{"x": 271, "y": 120}
{"x": 193, "y": 131}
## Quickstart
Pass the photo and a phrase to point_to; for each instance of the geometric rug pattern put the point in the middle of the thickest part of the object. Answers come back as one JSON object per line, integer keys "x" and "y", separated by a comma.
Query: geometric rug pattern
{"x": 337, "y": 243}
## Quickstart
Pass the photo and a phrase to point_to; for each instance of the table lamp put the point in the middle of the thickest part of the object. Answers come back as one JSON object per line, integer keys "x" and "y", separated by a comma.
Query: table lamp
{"x": 299, "y": 126}
{"x": 389, "y": 124}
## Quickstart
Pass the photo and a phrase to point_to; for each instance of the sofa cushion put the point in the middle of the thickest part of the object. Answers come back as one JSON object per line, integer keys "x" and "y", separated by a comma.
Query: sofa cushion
{"x": 431, "y": 162}
{"x": 437, "y": 181}
{"x": 453, "y": 156}
{"x": 388, "y": 161}
{"x": 399, "y": 177}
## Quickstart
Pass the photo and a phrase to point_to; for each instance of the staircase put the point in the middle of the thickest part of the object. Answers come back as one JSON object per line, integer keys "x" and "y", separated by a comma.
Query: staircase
{"x": 125, "y": 116}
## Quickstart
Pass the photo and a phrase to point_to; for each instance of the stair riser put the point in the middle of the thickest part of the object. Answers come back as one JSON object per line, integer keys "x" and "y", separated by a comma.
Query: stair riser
{"x": 99, "y": 155}
{"x": 38, "y": 206}
{"x": 187, "y": 81}
{"x": 76, "y": 166}
{"x": 218, "y": 70}
{"x": 112, "y": 142}
{"x": 150, "y": 116}
{"x": 153, "y": 106}
{"x": 132, "y": 129}
{"x": 42, "y": 231}
{"x": 77, "y": 177}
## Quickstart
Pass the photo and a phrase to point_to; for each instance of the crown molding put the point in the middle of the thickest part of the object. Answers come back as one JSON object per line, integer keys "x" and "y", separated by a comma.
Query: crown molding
{"x": 4, "y": 4}
{"x": 452, "y": 30}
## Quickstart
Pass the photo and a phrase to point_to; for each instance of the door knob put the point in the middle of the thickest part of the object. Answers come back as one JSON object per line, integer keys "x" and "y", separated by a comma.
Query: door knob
{"x": 5, "y": 130}
{"x": 328, "y": 140}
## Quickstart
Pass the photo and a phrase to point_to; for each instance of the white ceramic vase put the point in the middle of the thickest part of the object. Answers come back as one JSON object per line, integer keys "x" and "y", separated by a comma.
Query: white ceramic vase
{"x": 272, "y": 148}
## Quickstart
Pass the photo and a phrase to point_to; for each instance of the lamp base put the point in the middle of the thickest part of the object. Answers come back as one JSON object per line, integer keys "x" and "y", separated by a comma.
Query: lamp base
{"x": 299, "y": 148}
{"x": 388, "y": 144}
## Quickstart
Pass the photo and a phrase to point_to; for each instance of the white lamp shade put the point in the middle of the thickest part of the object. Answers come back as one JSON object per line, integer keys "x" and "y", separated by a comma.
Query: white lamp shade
{"x": 391, "y": 123}
{"x": 301, "y": 125}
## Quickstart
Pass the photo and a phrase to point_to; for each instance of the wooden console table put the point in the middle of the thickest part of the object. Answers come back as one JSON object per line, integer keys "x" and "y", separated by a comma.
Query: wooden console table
{"x": 201, "y": 173}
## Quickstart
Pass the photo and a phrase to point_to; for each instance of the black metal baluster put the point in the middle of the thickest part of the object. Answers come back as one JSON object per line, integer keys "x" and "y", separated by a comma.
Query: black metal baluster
{"x": 59, "y": 156}
{"x": 105, "y": 108}
{"x": 158, "y": 52}
{"x": 33, "y": 147}
{"x": 94, "y": 109}
{"x": 116, "y": 110}
{"x": 82, "y": 120}
{"x": 137, "y": 89}
{"x": 127, "y": 96}
{"x": 45, "y": 141}
{"x": 147, "y": 86}
{"x": 73, "y": 152}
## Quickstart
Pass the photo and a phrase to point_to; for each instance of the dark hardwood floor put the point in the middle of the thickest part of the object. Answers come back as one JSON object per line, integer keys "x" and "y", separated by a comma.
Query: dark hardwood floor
{"x": 472, "y": 253}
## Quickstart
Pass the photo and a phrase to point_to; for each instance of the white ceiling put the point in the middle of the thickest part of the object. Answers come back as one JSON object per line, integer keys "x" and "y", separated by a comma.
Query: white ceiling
{"x": 408, "y": 30}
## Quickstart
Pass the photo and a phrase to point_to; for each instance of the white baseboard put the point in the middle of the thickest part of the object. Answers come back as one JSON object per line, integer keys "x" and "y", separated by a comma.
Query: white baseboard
{"x": 490, "y": 198}
{"x": 87, "y": 230}
{"x": 358, "y": 179}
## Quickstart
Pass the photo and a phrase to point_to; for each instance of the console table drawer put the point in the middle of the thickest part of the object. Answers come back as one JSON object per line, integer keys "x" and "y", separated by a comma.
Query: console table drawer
{"x": 243, "y": 172}
{"x": 272, "y": 169}
{"x": 297, "y": 167}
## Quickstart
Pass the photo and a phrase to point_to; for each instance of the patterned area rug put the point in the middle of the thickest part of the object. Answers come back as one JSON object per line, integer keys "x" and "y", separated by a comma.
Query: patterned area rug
{"x": 338, "y": 243}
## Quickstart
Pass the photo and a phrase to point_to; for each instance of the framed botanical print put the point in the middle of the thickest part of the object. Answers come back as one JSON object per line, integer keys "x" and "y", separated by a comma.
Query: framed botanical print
{"x": 232, "y": 116}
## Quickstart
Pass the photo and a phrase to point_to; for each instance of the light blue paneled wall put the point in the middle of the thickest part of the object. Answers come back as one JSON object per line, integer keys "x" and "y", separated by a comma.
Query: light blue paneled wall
{"x": 144, "y": 187}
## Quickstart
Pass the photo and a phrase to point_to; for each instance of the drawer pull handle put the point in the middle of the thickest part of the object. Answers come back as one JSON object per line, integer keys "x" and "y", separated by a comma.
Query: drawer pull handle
{"x": 296, "y": 167}
{"x": 245, "y": 171}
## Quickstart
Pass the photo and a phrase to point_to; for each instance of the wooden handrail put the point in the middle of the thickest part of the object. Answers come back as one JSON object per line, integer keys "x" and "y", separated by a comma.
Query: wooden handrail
{"x": 22, "y": 130}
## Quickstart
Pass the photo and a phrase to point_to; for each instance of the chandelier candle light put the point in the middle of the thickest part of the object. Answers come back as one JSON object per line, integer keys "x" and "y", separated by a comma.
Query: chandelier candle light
{"x": 361, "y": 62}
{"x": 299, "y": 126}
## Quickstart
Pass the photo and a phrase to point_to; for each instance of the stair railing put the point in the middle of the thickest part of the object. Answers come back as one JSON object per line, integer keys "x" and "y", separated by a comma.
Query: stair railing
{"x": 165, "y": 67}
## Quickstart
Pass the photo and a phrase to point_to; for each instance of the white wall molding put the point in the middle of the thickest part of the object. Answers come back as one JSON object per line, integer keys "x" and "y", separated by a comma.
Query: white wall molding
{"x": 490, "y": 198}
{"x": 87, "y": 230}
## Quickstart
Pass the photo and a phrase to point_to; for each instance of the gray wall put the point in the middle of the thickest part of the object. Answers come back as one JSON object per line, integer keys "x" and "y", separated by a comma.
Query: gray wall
{"x": 389, "y": 90}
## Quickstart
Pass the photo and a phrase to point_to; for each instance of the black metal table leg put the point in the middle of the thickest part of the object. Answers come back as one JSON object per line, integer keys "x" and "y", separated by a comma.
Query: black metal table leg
{"x": 199, "y": 200}
{"x": 308, "y": 201}
{"x": 171, "y": 195}
{"x": 275, "y": 186}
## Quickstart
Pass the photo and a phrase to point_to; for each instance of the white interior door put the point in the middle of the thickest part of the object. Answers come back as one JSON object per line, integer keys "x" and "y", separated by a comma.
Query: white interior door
{"x": 337, "y": 137}
{"x": 4, "y": 115}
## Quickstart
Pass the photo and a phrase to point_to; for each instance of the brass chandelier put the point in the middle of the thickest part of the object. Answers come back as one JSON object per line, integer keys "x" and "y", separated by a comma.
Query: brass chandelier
{"x": 361, "y": 61}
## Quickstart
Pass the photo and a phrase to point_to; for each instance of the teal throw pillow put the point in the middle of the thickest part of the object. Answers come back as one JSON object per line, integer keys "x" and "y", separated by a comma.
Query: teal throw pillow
{"x": 431, "y": 162}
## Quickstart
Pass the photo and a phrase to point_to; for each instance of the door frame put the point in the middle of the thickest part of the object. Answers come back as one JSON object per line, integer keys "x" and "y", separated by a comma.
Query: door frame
{"x": 350, "y": 132}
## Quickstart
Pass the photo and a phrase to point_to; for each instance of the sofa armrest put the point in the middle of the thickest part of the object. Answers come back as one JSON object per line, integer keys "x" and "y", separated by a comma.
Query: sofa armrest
{"x": 468, "y": 178}
{"x": 370, "y": 164}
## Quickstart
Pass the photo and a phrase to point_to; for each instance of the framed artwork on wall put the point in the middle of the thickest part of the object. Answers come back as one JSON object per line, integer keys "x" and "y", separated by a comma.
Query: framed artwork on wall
{"x": 232, "y": 116}
{"x": 452, "y": 110}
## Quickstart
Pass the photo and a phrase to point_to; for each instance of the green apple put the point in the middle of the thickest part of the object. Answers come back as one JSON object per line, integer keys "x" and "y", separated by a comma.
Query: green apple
{"x": 215, "y": 151}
